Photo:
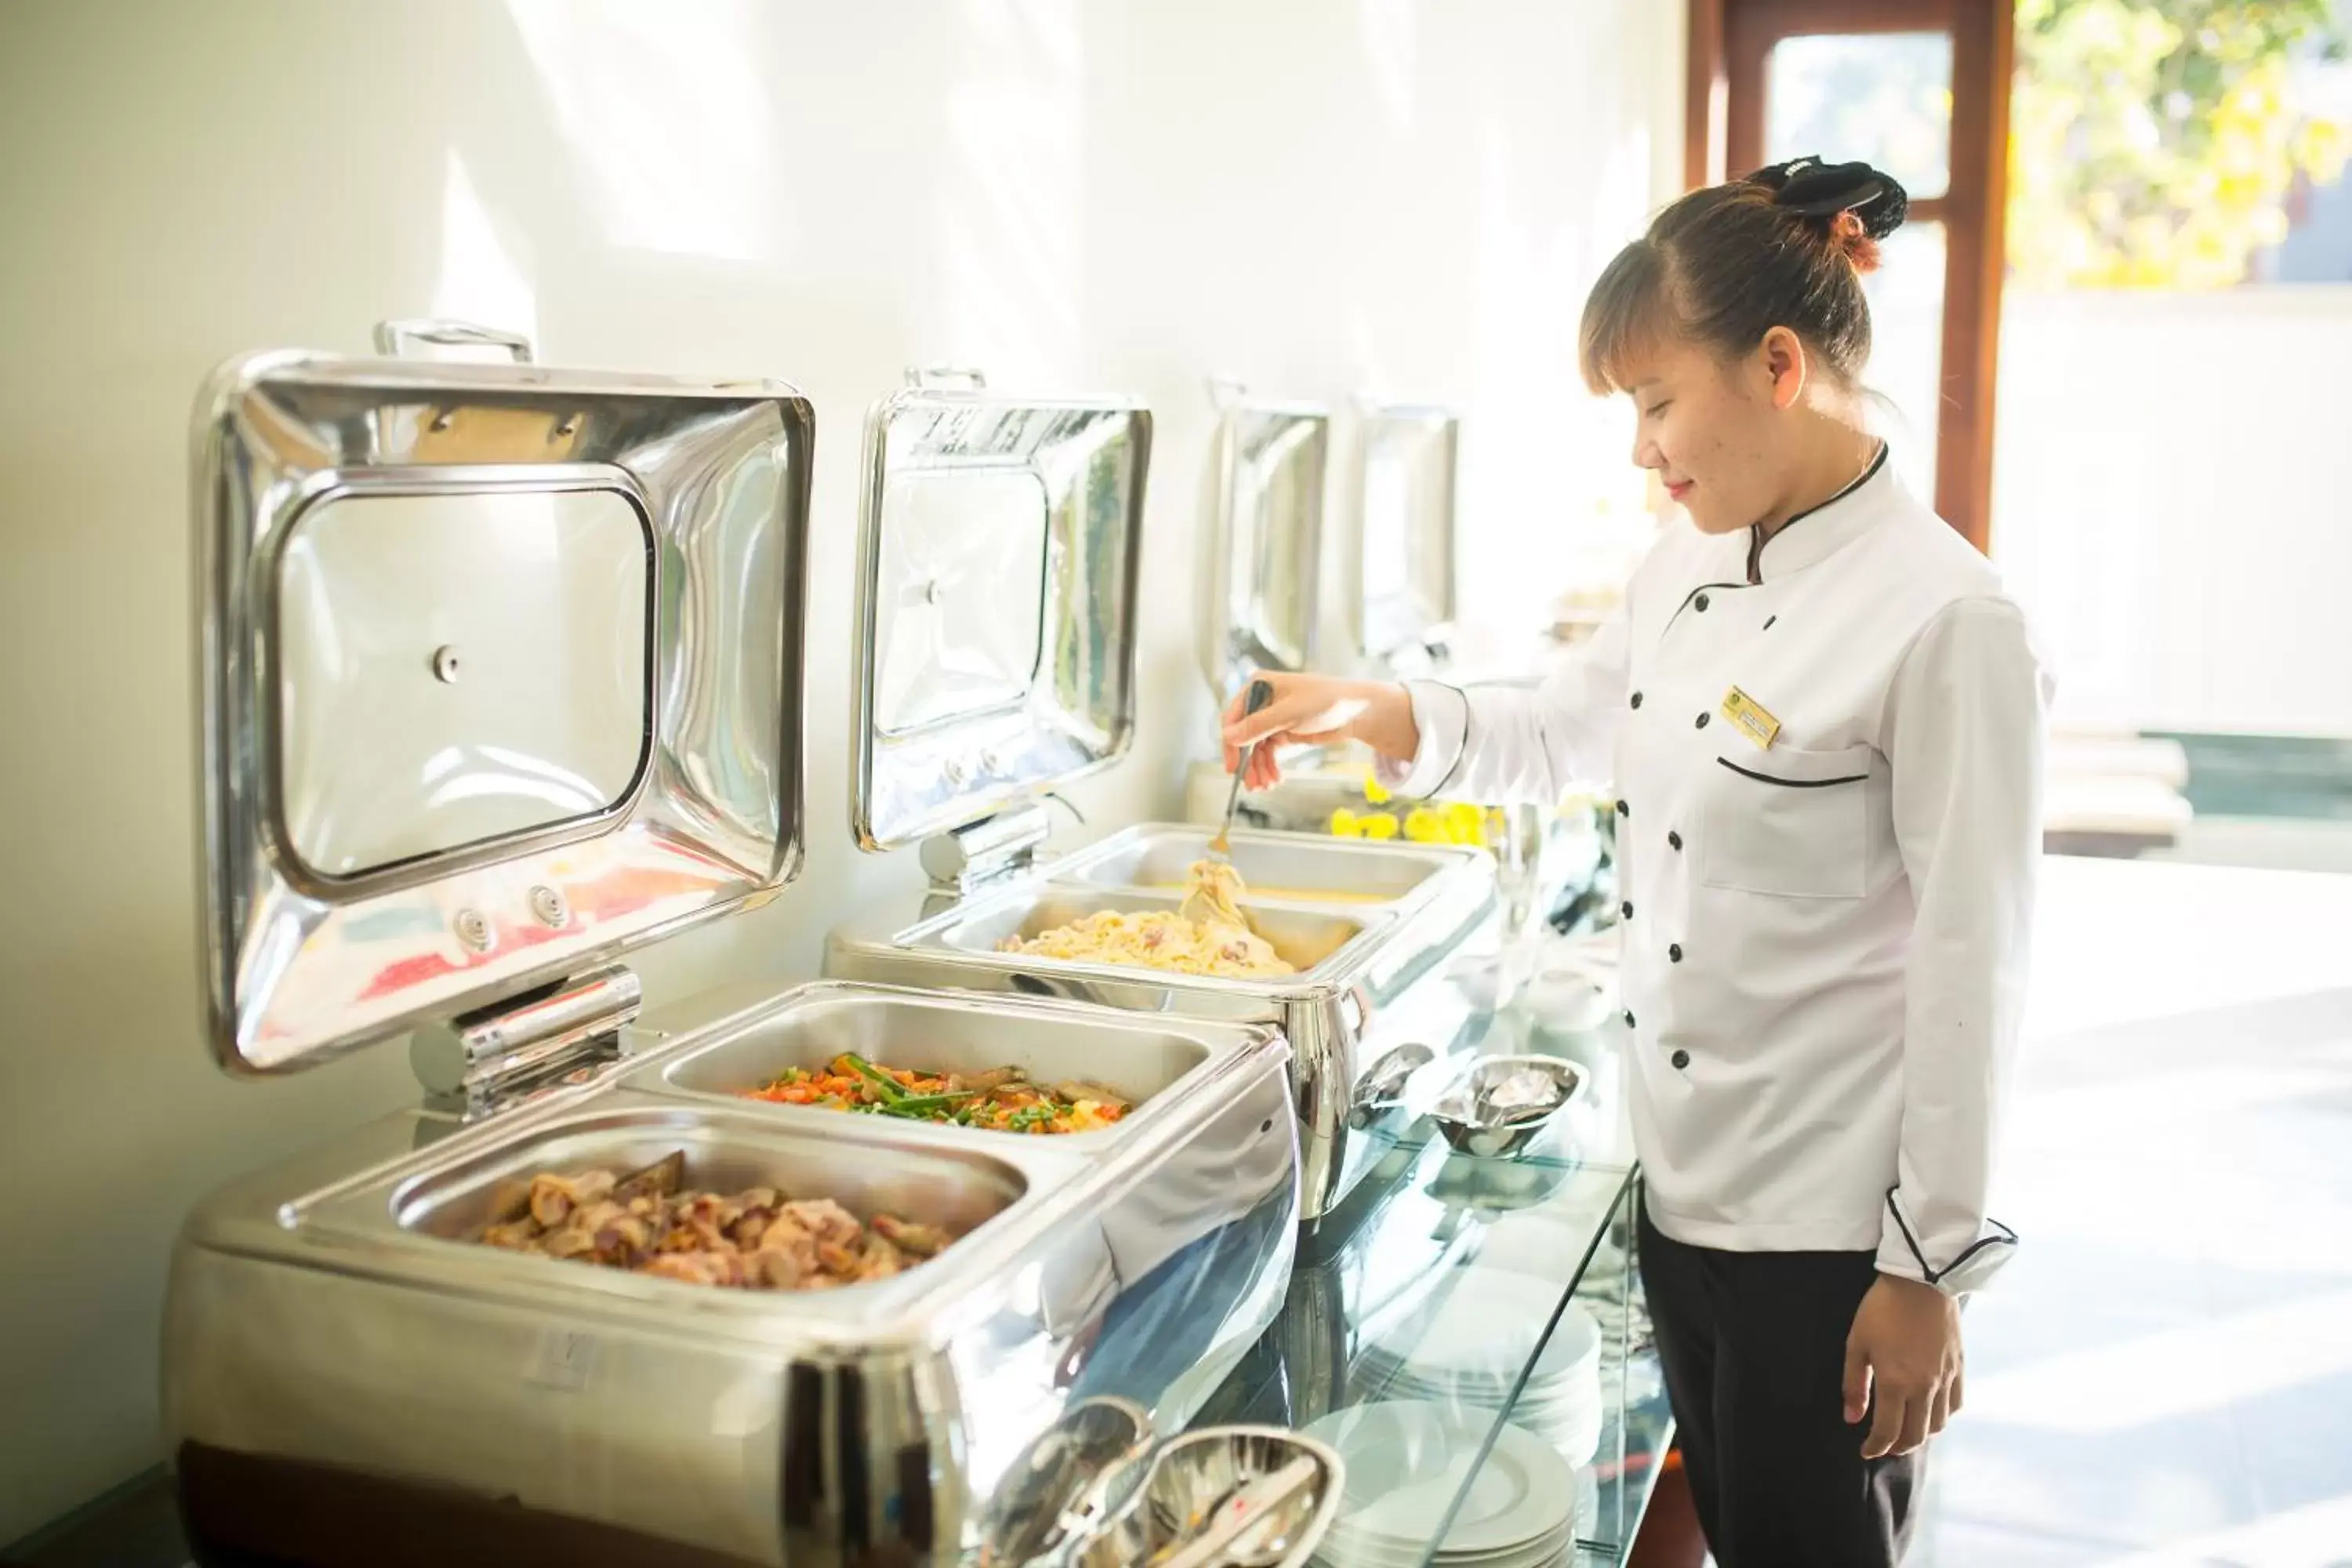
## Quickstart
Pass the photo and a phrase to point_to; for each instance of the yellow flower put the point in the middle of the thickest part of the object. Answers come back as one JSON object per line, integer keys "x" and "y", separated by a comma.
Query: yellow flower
{"x": 1346, "y": 824}
{"x": 1422, "y": 826}
{"x": 1379, "y": 827}
{"x": 1372, "y": 790}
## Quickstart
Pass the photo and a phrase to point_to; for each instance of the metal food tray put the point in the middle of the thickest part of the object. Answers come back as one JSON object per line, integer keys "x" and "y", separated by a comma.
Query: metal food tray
{"x": 333, "y": 1318}
{"x": 1375, "y": 978}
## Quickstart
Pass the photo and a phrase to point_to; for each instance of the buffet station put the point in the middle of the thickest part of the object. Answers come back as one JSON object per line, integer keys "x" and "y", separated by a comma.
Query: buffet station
{"x": 997, "y": 613}
{"x": 1175, "y": 1200}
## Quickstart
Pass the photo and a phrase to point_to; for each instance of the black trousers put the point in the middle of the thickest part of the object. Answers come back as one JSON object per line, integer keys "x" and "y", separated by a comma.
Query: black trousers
{"x": 1753, "y": 1345}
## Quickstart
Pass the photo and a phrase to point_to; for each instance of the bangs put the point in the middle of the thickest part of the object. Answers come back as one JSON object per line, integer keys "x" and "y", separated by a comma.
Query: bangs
{"x": 1625, "y": 318}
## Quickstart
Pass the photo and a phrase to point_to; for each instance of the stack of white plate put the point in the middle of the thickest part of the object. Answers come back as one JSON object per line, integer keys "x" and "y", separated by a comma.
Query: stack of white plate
{"x": 1537, "y": 1243}
{"x": 1407, "y": 1461}
{"x": 1466, "y": 1353}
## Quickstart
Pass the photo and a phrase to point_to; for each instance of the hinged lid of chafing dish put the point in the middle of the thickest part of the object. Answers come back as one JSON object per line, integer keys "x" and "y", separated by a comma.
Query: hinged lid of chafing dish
{"x": 501, "y": 671}
{"x": 1263, "y": 544}
{"x": 997, "y": 601}
{"x": 1401, "y": 531}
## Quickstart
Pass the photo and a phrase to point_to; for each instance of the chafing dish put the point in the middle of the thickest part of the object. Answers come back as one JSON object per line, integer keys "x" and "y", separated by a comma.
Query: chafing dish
{"x": 1375, "y": 1001}
{"x": 503, "y": 679}
{"x": 1261, "y": 548}
{"x": 1394, "y": 549}
{"x": 1398, "y": 548}
{"x": 974, "y": 701}
{"x": 332, "y": 1319}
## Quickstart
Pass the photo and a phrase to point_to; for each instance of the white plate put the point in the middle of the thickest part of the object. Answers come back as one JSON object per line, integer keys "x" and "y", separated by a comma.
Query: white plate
{"x": 1547, "y": 1551}
{"x": 1572, "y": 1403}
{"x": 1550, "y": 1418}
{"x": 1485, "y": 1328}
{"x": 1571, "y": 1421}
{"x": 1579, "y": 1383}
{"x": 1407, "y": 1460}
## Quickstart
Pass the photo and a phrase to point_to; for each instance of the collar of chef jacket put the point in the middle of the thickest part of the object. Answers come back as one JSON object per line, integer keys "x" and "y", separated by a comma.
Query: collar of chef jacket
{"x": 1813, "y": 536}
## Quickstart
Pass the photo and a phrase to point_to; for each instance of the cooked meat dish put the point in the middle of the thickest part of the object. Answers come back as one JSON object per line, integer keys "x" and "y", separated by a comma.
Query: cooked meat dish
{"x": 758, "y": 1240}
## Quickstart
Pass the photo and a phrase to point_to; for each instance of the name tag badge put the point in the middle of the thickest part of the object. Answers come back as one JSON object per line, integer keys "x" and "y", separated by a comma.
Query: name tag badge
{"x": 1752, "y": 719}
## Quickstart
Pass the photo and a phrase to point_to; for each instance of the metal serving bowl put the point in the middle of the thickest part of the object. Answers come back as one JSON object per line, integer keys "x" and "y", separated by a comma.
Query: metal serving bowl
{"x": 1077, "y": 1471}
{"x": 1192, "y": 1475}
{"x": 1499, "y": 1105}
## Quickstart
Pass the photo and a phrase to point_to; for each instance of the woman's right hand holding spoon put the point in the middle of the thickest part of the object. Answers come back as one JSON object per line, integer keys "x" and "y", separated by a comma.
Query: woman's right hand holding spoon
{"x": 1319, "y": 709}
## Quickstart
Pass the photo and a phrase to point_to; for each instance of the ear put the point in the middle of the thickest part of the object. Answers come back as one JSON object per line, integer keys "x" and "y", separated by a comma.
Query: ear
{"x": 1785, "y": 364}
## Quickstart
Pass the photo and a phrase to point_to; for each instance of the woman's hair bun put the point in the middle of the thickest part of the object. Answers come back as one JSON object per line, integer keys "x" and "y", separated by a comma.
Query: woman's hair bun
{"x": 1813, "y": 189}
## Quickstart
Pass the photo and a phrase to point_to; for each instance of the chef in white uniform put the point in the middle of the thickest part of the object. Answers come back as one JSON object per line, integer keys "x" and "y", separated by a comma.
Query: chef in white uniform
{"x": 1824, "y": 721}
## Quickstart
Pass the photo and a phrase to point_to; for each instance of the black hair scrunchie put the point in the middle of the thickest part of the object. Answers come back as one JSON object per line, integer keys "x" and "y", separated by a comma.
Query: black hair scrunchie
{"x": 1814, "y": 189}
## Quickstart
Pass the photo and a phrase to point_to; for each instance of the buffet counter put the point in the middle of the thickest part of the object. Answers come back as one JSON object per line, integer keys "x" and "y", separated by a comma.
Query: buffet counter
{"x": 1469, "y": 1335}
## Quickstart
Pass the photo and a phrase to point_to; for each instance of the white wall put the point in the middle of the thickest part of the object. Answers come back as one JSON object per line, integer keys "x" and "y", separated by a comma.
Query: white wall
{"x": 2173, "y": 501}
{"x": 1316, "y": 195}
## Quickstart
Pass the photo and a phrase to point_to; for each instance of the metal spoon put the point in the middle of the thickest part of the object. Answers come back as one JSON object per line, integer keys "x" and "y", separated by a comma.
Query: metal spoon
{"x": 1222, "y": 846}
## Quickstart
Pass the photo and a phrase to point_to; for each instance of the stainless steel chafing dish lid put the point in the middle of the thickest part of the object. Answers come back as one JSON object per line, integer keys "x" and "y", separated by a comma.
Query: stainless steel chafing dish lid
{"x": 1402, "y": 528}
{"x": 500, "y": 676}
{"x": 1263, "y": 543}
{"x": 996, "y": 614}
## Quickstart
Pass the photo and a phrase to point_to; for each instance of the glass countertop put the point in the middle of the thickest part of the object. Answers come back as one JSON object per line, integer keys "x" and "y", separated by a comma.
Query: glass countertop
{"x": 1469, "y": 1335}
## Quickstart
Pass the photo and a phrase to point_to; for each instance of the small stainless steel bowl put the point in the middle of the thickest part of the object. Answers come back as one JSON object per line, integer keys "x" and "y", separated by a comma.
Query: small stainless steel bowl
{"x": 1071, "y": 1474}
{"x": 1192, "y": 1475}
{"x": 1499, "y": 1105}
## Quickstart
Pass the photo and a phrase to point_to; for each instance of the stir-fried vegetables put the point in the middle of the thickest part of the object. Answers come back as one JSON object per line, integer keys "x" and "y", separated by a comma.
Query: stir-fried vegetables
{"x": 1002, "y": 1100}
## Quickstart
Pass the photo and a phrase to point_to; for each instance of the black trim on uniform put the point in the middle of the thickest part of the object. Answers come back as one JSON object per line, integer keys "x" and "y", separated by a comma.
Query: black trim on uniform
{"x": 1689, "y": 598}
{"x": 2007, "y": 1237}
{"x": 1462, "y": 753}
{"x": 1757, "y": 541}
{"x": 1790, "y": 783}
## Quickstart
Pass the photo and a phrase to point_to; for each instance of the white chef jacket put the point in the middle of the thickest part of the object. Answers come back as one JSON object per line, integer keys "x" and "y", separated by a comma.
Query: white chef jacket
{"x": 1824, "y": 935}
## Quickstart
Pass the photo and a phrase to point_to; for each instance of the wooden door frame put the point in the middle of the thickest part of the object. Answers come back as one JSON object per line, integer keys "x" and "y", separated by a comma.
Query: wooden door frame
{"x": 1730, "y": 41}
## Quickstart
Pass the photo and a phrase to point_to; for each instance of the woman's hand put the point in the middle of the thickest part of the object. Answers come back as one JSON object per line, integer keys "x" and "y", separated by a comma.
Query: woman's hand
{"x": 1904, "y": 1348}
{"x": 1315, "y": 710}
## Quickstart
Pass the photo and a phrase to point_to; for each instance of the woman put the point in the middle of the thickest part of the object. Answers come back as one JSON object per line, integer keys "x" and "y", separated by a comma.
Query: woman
{"x": 1824, "y": 722}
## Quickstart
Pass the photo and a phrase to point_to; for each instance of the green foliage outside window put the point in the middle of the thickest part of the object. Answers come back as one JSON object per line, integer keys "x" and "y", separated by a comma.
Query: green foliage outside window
{"x": 2155, "y": 143}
